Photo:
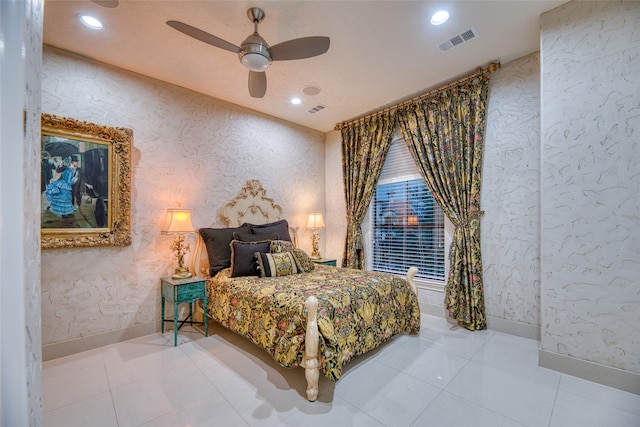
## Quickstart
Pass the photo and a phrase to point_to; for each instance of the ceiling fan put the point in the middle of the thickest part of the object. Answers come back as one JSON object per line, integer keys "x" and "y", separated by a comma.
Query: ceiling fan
{"x": 254, "y": 52}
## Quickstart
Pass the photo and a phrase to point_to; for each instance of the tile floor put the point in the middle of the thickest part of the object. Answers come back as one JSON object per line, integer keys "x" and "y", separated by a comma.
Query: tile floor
{"x": 446, "y": 376}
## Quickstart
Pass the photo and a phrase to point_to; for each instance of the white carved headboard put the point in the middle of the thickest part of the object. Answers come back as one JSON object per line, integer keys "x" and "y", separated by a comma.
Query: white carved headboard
{"x": 251, "y": 205}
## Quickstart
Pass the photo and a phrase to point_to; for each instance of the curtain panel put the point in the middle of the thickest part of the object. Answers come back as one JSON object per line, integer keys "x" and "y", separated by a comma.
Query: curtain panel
{"x": 365, "y": 144}
{"x": 445, "y": 135}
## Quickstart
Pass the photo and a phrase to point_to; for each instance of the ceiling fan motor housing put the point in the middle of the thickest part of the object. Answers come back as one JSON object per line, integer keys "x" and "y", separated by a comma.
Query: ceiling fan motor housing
{"x": 254, "y": 53}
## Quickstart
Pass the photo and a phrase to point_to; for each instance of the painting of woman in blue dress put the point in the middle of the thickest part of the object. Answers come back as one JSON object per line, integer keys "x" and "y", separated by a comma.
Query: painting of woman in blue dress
{"x": 59, "y": 192}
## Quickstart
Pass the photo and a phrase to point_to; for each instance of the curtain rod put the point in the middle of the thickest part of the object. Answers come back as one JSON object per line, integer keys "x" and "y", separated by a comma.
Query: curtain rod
{"x": 492, "y": 67}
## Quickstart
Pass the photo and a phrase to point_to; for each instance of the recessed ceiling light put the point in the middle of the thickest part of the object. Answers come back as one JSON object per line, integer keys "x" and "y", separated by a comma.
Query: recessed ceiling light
{"x": 90, "y": 22}
{"x": 440, "y": 17}
{"x": 296, "y": 101}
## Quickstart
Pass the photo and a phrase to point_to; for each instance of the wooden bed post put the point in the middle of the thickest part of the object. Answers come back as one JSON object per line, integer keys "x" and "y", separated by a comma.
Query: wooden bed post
{"x": 310, "y": 362}
{"x": 410, "y": 275}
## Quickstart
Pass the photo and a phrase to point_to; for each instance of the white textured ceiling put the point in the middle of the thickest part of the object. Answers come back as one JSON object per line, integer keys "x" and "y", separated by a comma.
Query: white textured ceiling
{"x": 381, "y": 51}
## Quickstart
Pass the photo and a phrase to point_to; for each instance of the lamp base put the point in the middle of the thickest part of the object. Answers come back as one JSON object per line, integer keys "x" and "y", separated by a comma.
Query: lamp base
{"x": 181, "y": 273}
{"x": 315, "y": 245}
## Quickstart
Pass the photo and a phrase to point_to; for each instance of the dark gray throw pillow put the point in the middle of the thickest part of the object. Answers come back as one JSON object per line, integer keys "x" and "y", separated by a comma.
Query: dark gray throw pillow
{"x": 243, "y": 258}
{"x": 217, "y": 241}
{"x": 249, "y": 237}
{"x": 281, "y": 228}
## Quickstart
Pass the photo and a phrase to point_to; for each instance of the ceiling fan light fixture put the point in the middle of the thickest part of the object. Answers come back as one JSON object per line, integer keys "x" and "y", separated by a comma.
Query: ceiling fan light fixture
{"x": 255, "y": 62}
{"x": 254, "y": 53}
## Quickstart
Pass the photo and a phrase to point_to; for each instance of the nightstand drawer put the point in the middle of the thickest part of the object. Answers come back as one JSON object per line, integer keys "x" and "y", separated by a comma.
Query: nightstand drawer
{"x": 187, "y": 291}
{"x": 183, "y": 293}
{"x": 188, "y": 295}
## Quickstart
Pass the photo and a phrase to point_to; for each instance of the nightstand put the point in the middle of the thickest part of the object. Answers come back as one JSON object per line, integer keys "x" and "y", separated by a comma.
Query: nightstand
{"x": 184, "y": 290}
{"x": 324, "y": 261}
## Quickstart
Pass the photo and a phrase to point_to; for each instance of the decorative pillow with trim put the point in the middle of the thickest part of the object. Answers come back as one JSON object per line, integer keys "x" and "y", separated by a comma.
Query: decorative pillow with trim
{"x": 243, "y": 258}
{"x": 303, "y": 261}
{"x": 217, "y": 241}
{"x": 276, "y": 265}
{"x": 278, "y": 246}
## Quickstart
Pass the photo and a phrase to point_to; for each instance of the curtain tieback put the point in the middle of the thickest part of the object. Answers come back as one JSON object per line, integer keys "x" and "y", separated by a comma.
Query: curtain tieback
{"x": 466, "y": 222}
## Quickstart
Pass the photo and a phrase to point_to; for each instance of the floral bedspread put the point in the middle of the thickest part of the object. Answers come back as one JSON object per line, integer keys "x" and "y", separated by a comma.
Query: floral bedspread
{"x": 357, "y": 311}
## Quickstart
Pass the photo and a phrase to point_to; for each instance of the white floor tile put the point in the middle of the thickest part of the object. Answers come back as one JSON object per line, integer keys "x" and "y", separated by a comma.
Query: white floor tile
{"x": 159, "y": 395}
{"x": 448, "y": 410}
{"x": 601, "y": 393}
{"x": 516, "y": 355}
{"x": 95, "y": 411}
{"x": 573, "y": 410}
{"x": 420, "y": 360}
{"x": 63, "y": 389}
{"x": 390, "y": 396}
{"x": 76, "y": 364}
{"x": 265, "y": 401}
{"x": 454, "y": 339}
{"x": 134, "y": 360}
{"x": 211, "y": 410}
{"x": 226, "y": 363}
{"x": 528, "y": 402}
{"x": 336, "y": 412}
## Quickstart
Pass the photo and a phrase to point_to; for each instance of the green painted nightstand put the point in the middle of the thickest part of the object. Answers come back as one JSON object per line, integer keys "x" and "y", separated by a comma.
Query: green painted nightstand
{"x": 184, "y": 290}
{"x": 324, "y": 261}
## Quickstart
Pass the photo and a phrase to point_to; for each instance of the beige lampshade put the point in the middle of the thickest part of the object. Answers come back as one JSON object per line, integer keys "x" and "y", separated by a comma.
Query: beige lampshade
{"x": 315, "y": 221}
{"x": 178, "y": 221}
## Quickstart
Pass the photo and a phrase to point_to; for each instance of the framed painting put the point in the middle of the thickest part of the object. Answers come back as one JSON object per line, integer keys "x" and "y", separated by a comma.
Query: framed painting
{"x": 85, "y": 184}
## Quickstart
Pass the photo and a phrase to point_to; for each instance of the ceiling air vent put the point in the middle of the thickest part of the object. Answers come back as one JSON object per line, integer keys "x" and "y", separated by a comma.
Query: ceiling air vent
{"x": 317, "y": 108}
{"x": 458, "y": 39}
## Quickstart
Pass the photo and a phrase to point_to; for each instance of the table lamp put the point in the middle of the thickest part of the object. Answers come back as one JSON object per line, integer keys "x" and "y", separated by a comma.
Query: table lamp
{"x": 315, "y": 223}
{"x": 179, "y": 222}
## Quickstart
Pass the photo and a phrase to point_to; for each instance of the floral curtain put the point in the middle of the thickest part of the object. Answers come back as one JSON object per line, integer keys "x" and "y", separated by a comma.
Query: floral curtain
{"x": 365, "y": 144}
{"x": 445, "y": 135}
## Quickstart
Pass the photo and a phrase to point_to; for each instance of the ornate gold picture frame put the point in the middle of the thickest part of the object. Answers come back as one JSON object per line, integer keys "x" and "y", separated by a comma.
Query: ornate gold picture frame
{"x": 85, "y": 184}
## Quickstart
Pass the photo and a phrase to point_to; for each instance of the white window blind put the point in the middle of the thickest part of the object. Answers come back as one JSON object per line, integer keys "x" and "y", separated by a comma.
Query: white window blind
{"x": 408, "y": 225}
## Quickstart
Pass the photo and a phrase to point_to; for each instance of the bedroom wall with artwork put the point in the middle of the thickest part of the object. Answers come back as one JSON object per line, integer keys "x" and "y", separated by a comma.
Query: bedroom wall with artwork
{"x": 188, "y": 149}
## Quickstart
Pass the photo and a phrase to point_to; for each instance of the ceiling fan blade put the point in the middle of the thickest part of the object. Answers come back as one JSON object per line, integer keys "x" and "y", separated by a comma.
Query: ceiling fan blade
{"x": 203, "y": 36}
{"x": 305, "y": 47}
{"x": 257, "y": 84}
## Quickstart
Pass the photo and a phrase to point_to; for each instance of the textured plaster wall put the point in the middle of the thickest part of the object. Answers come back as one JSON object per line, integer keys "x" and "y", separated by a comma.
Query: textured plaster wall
{"x": 21, "y": 356}
{"x": 336, "y": 209}
{"x": 511, "y": 193}
{"x": 31, "y": 224}
{"x": 188, "y": 148}
{"x": 590, "y": 271}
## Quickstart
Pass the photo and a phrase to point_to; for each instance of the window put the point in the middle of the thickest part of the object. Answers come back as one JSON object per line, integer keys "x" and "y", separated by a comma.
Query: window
{"x": 407, "y": 224}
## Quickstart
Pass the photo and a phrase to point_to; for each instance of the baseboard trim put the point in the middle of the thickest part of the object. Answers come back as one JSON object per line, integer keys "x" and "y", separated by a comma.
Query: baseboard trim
{"x": 518, "y": 329}
{"x": 434, "y": 310}
{"x": 595, "y": 372}
{"x": 66, "y": 348}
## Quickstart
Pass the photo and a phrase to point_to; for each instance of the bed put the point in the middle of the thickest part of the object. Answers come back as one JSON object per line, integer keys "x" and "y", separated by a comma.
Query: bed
{"x": 261, "y": 286}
